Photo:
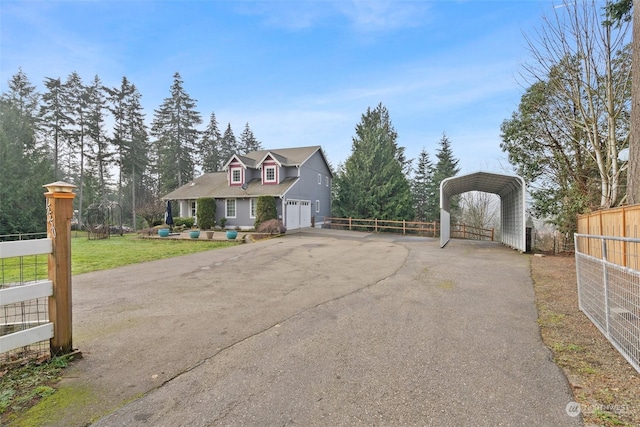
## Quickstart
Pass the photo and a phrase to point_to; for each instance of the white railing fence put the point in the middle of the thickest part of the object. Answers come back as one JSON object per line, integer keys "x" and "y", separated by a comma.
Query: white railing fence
{"x": 25, "y": 328}
{"x": 609, "y": 289}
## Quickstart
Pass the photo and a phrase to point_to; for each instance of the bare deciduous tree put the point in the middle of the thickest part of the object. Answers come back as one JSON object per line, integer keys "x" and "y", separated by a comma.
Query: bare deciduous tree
{"x": 587, "y": 63}
{"x": 479, "y": 209}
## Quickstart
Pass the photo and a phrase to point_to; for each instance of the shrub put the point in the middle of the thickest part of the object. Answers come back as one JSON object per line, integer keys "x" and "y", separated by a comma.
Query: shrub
{"x": 272, "y": 226}
{"x": 206, "y": 213}
{"x": 185, "y": 222}
{"x": 265, "y": 210}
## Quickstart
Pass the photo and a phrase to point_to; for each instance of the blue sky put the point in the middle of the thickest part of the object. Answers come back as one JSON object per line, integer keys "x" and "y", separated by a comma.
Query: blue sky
{"x": 299, "y": 72}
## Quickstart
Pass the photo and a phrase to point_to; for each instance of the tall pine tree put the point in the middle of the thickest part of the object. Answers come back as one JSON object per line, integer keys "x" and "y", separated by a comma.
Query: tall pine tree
{"x": 446, "y": 167}
{"x": 174, "y": 127}
{"x": 78, "y": 112}
{"x": 371, "y": 183}
{"x": 248, "y": 141}
{"x": 422, "y": 187}
{"x": 102, "y": 154}
{"x": 25, "y": 165}
{"x": 229, "y": 145}
{"x": 55, "y": 120}
{"x": 209, "y": 150}
{"x": 130, "y": 142}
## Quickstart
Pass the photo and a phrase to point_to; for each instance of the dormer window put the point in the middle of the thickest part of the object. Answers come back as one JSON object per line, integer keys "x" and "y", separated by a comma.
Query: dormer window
{"x": 236, "y": 176}
{"x": 270, "y": 174}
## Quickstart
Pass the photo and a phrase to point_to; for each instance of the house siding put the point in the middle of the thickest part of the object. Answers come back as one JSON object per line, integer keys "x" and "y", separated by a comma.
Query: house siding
{"x": 297, "y": 183}
{"x": 307, "y": 188}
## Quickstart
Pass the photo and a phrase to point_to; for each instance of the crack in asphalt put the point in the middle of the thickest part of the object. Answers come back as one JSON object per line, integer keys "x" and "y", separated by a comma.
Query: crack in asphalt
{"x": 286, "y": 319}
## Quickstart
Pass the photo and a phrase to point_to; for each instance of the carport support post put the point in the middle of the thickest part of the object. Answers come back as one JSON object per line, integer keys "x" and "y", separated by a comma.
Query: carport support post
{"x": 59, "y": 213}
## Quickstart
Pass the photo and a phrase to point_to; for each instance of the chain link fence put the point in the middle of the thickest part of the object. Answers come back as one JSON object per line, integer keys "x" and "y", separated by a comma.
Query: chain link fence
{"x": 609, "y": 289}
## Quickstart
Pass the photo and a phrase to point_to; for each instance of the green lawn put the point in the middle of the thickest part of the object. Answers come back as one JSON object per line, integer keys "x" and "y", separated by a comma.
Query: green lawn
{"x": 93, "y": 255}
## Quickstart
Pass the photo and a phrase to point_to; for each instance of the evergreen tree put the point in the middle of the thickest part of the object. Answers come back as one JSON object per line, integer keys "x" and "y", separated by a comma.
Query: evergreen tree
{"x": 209, "y": 154}
{"x": 102, "y": 155}
{"x": 174, "y": 127}
{"x": 371, "y": 183}
{"x": 446, "y": 167}
{"x": 22, "y": 96}
{"x": 130, "y": 142}
{"x": 55, "y": 119}
{"x": 78, "y": 111}
{"x": 422, "y": 187}
{"x": 136, "y": 162}
{"x": 229, "y": 145}
{"x": 25, "y": 165}
{"x": 248, "y": 141}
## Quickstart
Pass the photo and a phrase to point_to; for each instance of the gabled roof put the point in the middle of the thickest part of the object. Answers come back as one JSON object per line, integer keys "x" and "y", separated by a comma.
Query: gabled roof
{"x": 285, "y": 156}
{"x": 215, "y": 185}
{"x": 244, "y": 160}
{"x": 280, "y": 160}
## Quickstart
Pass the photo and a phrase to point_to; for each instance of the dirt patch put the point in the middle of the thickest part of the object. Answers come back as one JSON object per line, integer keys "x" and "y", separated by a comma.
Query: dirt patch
{"x": 605, "y": 385}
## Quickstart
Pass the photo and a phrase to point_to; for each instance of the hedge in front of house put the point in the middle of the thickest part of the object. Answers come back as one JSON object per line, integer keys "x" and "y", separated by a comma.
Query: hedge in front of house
{"x": 265, "y": 210}
{"x": 206, "y": 213}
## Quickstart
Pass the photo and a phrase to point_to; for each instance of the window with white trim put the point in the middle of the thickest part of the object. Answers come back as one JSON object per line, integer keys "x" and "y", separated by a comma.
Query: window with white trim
{"x": 317, "y": 206}
{"x": 270, "y": 174}
{"x": 326, "y": 181}
{"x": 230, "y": 208}
{"x": 252, "y": 207}
{"x": 236, "y": 176}
{"x": 319, "y": 179}
{"x": 193, "y": 208}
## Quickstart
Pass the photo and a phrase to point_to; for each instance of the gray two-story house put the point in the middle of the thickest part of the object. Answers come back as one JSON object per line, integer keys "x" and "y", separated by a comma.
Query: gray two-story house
{"x": 299, "y": 178}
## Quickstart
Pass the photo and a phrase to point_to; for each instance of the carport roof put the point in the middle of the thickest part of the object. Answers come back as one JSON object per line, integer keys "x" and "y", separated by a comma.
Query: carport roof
{"x": 481, "y": 181}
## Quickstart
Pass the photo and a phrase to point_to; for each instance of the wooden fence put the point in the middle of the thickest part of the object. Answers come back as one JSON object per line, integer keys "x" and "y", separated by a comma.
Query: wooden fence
{"x": 617, "y": 222}
{"x": 57, "y": 289}
{"x": 431, "y": 229}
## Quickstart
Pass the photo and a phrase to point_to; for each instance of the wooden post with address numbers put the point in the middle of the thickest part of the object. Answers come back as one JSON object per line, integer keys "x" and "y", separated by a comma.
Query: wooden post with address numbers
{"x": 59, "y": 198}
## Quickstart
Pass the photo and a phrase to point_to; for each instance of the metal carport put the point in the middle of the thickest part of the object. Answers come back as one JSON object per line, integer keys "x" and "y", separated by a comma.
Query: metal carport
{"x": 510, "y": 189}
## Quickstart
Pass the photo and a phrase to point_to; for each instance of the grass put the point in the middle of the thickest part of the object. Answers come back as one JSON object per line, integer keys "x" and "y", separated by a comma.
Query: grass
{"x": 21, "y": 386}
{"x": 93, "y": 255}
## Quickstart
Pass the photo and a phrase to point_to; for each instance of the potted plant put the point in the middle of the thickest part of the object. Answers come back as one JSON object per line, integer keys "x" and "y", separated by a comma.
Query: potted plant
{"x": 232, "y": 234}
{"x": 163, "y": 232}
{"x": 194, "y": 233}
{"x": 206, "y": 214}
{"x": 223, "y": 222}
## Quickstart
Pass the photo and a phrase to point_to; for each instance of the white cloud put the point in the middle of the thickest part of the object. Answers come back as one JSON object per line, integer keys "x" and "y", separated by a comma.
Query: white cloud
{"x": 362, "y": 15}
{"x": 367, "y": 15}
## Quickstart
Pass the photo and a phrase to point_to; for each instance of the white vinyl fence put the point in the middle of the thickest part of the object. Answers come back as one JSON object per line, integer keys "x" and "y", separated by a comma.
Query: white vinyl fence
{"x": 609, "y": 289}
{"x": 23, "y": 300}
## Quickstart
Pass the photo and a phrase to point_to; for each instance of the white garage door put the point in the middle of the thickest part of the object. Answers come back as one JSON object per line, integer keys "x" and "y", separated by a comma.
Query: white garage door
{"x": 305, "y": 213}
{"x": 293, "y": 215}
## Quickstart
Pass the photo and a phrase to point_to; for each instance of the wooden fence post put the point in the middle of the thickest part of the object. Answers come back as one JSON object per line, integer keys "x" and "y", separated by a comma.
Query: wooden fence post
{"x": 349, "y": 223}
{"x": 59, "y": 213}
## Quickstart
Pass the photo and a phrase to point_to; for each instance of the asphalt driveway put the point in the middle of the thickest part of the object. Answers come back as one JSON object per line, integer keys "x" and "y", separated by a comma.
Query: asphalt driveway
{"x": 316, "y": 328}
